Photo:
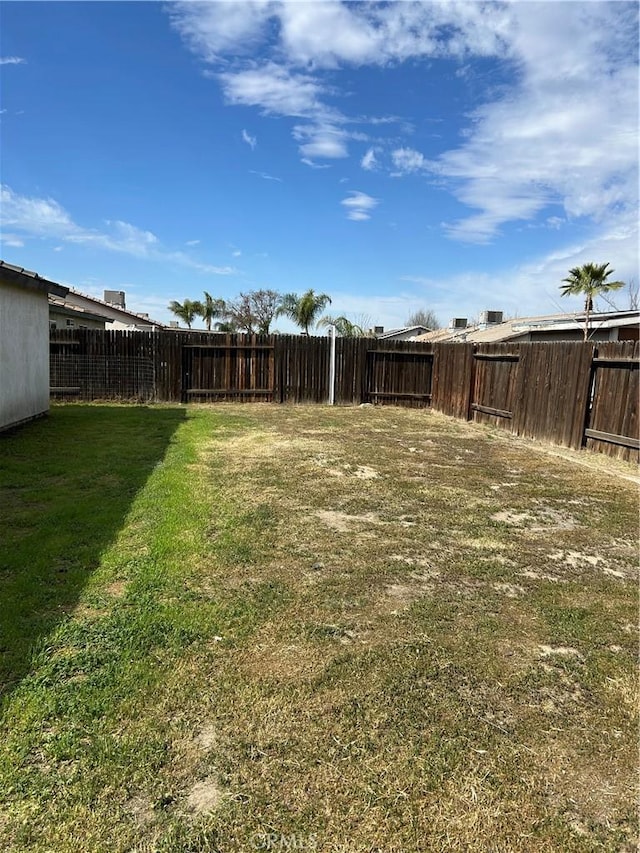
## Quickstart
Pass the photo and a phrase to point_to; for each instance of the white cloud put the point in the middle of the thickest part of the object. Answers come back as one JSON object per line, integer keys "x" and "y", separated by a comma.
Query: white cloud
{"x": 532, "y": 287}
{"x": 265, "y": 176}
{"x": 45, "y": 218}
{"x": 11, "y": 240}
{"x": 250, "y": 140}
{"x": 192, "y": 243}
{"x": 562, "y": 129}
{"x": 358, "y": 215}
{"x": 211, "y": 29}
{"x": 359, "y": 199}
{"x": 313, "y": 165}
{"x": 321, "y": 141}
{"x": 325, "y": 34}
{"x": 407, "y": 160}
{"x": 369, "y": 162}
{"x": 12, "y": 60}
{"x": 359, "y": 205}
{"x": 329, "y": 34}
{"x": 40, "y": 217}
{"x": 567, "y": 133}
{"x": 275, "y": 90}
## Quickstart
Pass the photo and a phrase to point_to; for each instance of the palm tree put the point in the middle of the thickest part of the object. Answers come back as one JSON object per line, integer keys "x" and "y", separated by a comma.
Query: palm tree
{"x": 344, "y": 327}
{"x": 591, "y": 281}
{"x": 212, "y": 308}
{"x": 187, "y": 310}
{"x": 303, "y": 310}
{"x": 226, "y": 326}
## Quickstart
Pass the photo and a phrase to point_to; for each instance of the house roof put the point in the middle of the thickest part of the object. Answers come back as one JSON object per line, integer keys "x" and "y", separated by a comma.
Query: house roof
{"x": 517, "y": 327}
{"x": 105, "y": 310}
{"x": 403, "y": 330}
{"x": 60, "y": 306}
{"x": 30, "y": 280}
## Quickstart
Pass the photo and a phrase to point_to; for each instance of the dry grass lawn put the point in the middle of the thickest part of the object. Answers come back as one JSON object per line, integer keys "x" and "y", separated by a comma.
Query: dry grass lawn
{"x": 403, "y": 633}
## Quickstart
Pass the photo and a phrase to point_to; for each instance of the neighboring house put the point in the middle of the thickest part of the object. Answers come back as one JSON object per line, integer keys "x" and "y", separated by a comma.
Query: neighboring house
{"x": 24, "y": 344}
{"x": 65, "y": 316}
{"x": 608, "y": 326}
{"x": 406, "y": 333}
{"x": 110, "y": 311}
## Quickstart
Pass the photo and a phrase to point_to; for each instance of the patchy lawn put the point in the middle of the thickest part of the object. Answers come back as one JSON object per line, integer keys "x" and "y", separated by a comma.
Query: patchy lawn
{"x": 234, "y": 628}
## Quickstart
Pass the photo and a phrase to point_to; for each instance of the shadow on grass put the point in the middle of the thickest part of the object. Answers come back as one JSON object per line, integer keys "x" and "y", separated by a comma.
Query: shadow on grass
{"x": 67, "y": 483}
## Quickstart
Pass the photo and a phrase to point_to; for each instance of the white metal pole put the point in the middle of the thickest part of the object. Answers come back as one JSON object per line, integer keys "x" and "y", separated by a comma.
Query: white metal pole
{"x": 332, "y": 366}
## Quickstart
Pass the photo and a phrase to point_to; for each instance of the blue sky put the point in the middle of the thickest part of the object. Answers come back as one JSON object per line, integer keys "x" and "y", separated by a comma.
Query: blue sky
{"x": 452, "y": 156}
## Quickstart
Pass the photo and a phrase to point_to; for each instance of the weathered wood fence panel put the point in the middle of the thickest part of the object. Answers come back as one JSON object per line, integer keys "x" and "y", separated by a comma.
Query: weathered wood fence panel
{"x": 493, "y": 384}
{"x": 229, "y": 367}
{"x": 302, "y": 375}
{"x": 613, "y": 426}
{"x": 568, "y": 393}
{"x": 398, "y": 373}
{"x": 552, "y": 391}
{"x": 452, "y": 379}
{"x": 351, "y": 364}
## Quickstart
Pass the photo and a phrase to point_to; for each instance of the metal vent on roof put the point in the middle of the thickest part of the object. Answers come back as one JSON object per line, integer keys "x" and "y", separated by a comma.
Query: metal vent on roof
{"x": 491, "y": 318}
{"x": 115, "y": 297}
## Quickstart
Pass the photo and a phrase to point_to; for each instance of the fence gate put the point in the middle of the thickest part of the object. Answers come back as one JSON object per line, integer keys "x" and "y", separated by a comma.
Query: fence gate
{"x": 240, "y": 369}
{"x": 402, "y": 375}
{"x": 492, "y": 385}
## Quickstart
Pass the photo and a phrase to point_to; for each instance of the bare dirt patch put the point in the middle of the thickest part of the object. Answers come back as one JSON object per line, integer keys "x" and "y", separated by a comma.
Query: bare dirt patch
{"x": 141, "y": 810}
{"x": 538, "y": 519}
{"x": 511, "y": 590}
{"x": 342, "y": 522}
{"x": 205, "y": 796}
{"x": 116, "y": 589}
{"x": 562, "y": 651}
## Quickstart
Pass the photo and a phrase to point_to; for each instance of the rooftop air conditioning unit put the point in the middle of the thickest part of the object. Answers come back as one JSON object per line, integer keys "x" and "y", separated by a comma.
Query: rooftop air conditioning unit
{"x": 459, "y": 323}
{"x": 115, "y": 297}
{"x": 174, "y": 324}
{"x": 491, "y": 318}
{"x": 378, "y": 330}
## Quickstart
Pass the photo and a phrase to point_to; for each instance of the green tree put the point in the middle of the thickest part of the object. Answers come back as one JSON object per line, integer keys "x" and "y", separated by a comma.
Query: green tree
{"x": 187, "y": 310}
{"x": 212, "y": 309}
{"x": 344, "y": 327}
{"x": 303, "y": 310}
{"x": 590, "y": 281}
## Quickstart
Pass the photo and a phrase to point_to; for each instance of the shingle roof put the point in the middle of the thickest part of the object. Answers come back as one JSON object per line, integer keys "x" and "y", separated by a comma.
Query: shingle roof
{"x": 30, "y": 279}
{"x": 141, "y": 318}
{"x": 402, "y": 330}
{"x": 66, "y": 308}
{"x": 519, "y": 326}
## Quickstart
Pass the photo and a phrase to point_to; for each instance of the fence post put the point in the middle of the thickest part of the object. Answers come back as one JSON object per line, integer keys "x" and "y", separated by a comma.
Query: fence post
{"x": 472, "y": 382}
{"x": 332, "y": 366}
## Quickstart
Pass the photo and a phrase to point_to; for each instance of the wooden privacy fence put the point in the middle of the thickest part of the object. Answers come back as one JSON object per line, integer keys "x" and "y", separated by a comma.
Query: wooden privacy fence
{"x": 571, "y": 394}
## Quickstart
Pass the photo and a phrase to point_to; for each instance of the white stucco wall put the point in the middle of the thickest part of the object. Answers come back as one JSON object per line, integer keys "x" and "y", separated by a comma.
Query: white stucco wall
{"x": 24, "y": 354}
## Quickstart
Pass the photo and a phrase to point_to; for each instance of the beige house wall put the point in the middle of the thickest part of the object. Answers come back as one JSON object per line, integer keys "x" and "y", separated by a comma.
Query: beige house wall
{"x": 24, "y": 354}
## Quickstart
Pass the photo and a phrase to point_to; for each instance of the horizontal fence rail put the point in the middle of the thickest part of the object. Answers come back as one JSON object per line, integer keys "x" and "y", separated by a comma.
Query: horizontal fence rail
{"x": 572, "y": 394}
